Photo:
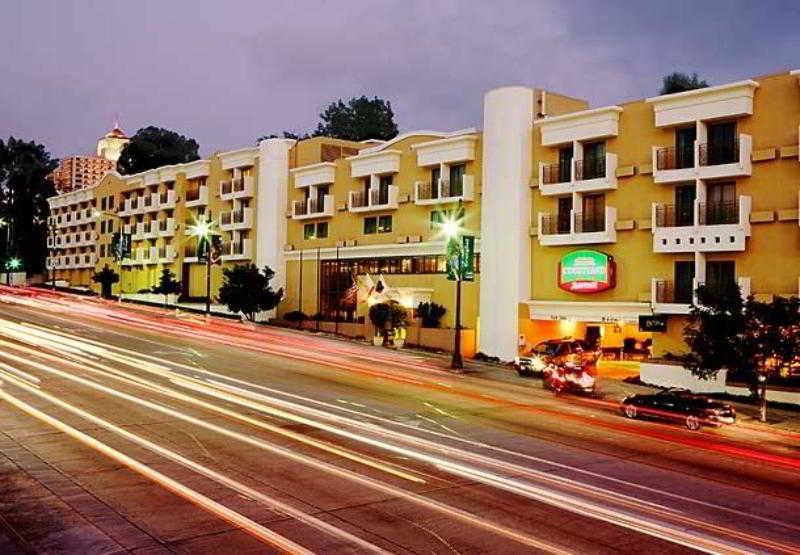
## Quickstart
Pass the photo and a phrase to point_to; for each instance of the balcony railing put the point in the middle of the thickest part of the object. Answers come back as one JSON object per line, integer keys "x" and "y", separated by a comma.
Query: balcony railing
{"x": 590, "y": 168}
{"x": 167, "y": 199}
{"x": 554, "y": 224}
{"x": 555, "y": 173}
{"x": 444, "y": 190}
{"x": 721, "y": 152}
{"x": 673, "y": 158}
{"x": 234, "y": 217}
{"x": 668, "y": 215}
{"x": 666, "y": 292}
{"x": 718, "y": 213}
{"x": 358, "y": 199}
{"x": 589, "y": 222}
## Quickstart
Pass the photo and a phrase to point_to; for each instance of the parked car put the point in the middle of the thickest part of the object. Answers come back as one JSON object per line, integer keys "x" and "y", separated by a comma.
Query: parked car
{"x": 680, "y": 405}
{"x": 569, "y": 377}
{"x": 555, "y": 352}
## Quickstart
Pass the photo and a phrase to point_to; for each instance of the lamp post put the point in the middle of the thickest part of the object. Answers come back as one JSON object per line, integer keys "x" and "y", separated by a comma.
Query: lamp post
{"x": 452, "y": 230}
{"x": 11, "y": 265}
{"x": 51, "y": 234}
{"x": 202, "y": 230}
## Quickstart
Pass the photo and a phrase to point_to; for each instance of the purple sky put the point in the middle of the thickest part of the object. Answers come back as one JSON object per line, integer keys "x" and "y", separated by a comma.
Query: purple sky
{"x": 228, "y": 72}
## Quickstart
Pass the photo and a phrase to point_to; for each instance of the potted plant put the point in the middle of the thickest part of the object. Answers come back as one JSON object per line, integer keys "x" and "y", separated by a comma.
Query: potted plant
{"x": 380, "y": 314}
{"x": 430, "y": 314}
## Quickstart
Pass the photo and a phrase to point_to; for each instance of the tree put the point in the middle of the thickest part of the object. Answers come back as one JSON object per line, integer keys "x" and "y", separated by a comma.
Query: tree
{"x": 246, "y": 290}
{"x": 388, "y": 316}
{"x": 358, "y": 120}
{"x": 751, "y": 339}
{"x": 679, "y": 82}
{"x": 167, "y": 285}
{"x": 106, "y": 278}
{"x": 431, "y": 314}
{"x": 152, "y": 147}
{"x": 24, "y": 189}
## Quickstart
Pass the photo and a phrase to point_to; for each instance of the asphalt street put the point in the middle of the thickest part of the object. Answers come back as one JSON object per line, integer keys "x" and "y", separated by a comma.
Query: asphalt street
{"x": 135, "y": 429}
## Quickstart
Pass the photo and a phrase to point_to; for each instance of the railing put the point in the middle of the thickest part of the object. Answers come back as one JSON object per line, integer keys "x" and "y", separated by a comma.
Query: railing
{"x": 167, "y": 198}
{"x": 238, "y": 185}
{"x": 666, "y": 292}
{"x": 591, "y": 222}
{"x": 236, "y": 248}
{"x": 358, "y": 199}
{"x": 555, "y": 173}
{"x": 667, "y": 215}
{"x": 226, "y": 187}
{"x": 672, "y": 158}
{"x": 192, "y": 194}
{"x": 233, "y": 217}
{"x": 554, "y": 224}
{"x": 719, "y": 213}
{"x": 590, "y": 168}
{"x": 722, "y": 152}
{"x": 300, "y": 208}
{"x": 316, "y": 205}
{"x": 379, "y": 196}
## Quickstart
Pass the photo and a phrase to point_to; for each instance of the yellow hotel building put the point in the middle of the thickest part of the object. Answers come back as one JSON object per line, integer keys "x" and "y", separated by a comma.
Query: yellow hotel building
{"x": 595, "y": 223}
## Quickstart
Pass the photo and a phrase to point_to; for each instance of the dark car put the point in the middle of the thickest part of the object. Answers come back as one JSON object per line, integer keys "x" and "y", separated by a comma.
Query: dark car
{"x": 556, "y": 352}
{"x": 681, "y": 405}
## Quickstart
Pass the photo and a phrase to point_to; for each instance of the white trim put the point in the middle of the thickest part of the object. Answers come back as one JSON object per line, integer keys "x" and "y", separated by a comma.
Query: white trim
{"x": 240, "y": 158}
{"x": 320, "y": 173}
{"x": 702, "y": 92}
{"x": 375, "y": 163}
{"x": 460, "y": 148}
{"x": 588, "y": 311}
{"x": 390, "y": 142}
{"x": 709, "y": 103}
{"x": 151, "y": 177}
{"x": 385, "y": 250}
{"x": 585, "y": 125}
{"x": 198, "y": 168}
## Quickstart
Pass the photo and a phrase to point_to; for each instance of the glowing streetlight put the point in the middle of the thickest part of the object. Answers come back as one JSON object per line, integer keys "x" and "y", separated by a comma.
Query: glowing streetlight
{"x": 450, "y": 227}
{"x": 203, "y": 230}
{"x": 12, "y": 265}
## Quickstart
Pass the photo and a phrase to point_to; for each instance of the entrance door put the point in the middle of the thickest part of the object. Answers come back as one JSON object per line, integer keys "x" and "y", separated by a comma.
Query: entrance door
{"x": 564, "y": 211}
{"x": 684, "y": 282}
{"x": 720, "y": 275}
{"x": 594, "y": 161}
{"x": 594, "y": 207}
{"x": 684, "y": 204}
{"x": 722, "y": 147}
{"x": 185, "y": 271}
{"x": 721, "y": 204}
{"x": 684, "y": 147}
{"x": 564, "y": 164}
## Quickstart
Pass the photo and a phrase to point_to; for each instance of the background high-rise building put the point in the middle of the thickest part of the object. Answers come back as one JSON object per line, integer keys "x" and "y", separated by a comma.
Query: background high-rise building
{"x": 81, "y": 171}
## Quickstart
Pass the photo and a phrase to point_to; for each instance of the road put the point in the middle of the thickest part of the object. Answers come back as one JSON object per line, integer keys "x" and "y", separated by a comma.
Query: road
{"x": 134, "y": 429}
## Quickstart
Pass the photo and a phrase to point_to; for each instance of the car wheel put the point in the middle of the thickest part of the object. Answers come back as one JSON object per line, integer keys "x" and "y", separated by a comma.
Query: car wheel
{"x": 630, "y": 411}
{"x": 692, "y": 423}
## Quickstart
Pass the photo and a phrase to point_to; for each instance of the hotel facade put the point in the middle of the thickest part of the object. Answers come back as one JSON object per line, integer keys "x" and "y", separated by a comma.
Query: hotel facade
{"x": 595, "y": 223}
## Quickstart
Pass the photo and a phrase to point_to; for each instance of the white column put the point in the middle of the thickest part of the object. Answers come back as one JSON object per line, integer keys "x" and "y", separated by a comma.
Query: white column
{"x": 270, "y": 209}
{"x": 505, "y": 217}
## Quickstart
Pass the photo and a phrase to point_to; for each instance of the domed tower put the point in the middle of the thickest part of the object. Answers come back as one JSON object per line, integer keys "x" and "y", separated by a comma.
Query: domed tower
{"x": 111, "y": 144}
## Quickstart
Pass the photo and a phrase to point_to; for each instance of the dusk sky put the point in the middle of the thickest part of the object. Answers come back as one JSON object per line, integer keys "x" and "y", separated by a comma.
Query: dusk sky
{"x": 227, "y": 72}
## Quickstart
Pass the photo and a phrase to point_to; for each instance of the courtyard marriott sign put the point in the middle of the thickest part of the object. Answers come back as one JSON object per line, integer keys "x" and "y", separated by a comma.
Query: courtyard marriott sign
{"x": 586, "y": 271}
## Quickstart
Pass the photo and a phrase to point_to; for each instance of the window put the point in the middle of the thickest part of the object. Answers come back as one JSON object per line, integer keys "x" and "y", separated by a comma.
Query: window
{"x": 370, "y": 225}
{"x": 457, "y": 180}
{"x": 384, "y": 224}
{"x": 309, "y": 231}
{"x": 720, "y": 275}
{"x": 315, "y": 231}
{"x": 322, "y": 230}
{"x": 439, "y": 216}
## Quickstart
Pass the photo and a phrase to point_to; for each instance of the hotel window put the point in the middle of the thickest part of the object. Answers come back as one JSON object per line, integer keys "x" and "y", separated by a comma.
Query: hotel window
{"x": 457, "y": 180}
{"x": 370, "y": 225}
{"x": 438, "y": 217}
{"x": 384, "y": 224}
{"x": 308, "y": 231}
{"x": 322, "y": 230}
{"x": 315, "y": 231}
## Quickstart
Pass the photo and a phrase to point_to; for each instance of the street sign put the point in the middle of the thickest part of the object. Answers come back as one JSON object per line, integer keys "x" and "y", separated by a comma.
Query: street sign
{"x": 465, "y": 252}
{"x": 656, "y": 323}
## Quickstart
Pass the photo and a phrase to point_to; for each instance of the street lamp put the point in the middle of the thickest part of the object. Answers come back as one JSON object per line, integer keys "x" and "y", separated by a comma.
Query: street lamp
{"x": 451, "y": 228}
{"x": 203, "y": 231}
{"x": 51, "y": 234}
{"x": 12, "y": 264}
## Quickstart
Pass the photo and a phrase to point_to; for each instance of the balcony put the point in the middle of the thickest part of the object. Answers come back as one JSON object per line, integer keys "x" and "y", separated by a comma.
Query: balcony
{"x": 190, "y": 254}
{"x": 236, "y": 250}
{"x": 151, "y": 230}
{"x": 197, "y": 197}
{"x": 578, "y": 228}
{"x": 148, "y": 255}
{"x": 360, "y": 201}
{"x": 713, "y": 227}
{"x": 443, "y": 191}
{"x": 666, "y": 300}
{"x": 126, "y": 208}
{"x": 149, "y": 203}
{"x": 313, "y": 208}
{"x": 139, "y": 231}
{"x": 128, "y": 229}
{"x": 166, "y": 228}
{"x": 240, "y": 187}
{"x": 703, "y": 161}
{"x": 166, "y": 254}
{"x": 236, "y": 219}
{"x": 166, "y": 200}
{"x": 581, "y": 176}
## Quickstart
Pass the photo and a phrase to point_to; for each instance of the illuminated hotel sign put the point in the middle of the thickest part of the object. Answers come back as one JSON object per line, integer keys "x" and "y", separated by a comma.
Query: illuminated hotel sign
{"x": 586, "y": 271}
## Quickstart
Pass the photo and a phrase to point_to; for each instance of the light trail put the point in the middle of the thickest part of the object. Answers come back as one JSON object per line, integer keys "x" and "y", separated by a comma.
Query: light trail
{"x": 258, "y": 531}
{"x": 272, "y": 503}
{"x": 447, "y": 510}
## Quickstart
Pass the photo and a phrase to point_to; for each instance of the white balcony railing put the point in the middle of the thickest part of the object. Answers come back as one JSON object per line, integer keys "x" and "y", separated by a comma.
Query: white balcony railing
{"x": 373, "y": 199}
{"x": 714, "y": 227}
{"x": 197, "y": 197}
{"x": 166, "y": 200}
{"x": 442, "y": 191}
{"x": 580, "y": 176}
{"x": 579, "y": 229}
{"x": 313, "y": 208}
{"x": 703, "y": 161}
{"x": 236, "y": 219}
{"x": 239, "y": 187}
{"x": 237, "y": 250}
{"x": 166, "y": 228}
